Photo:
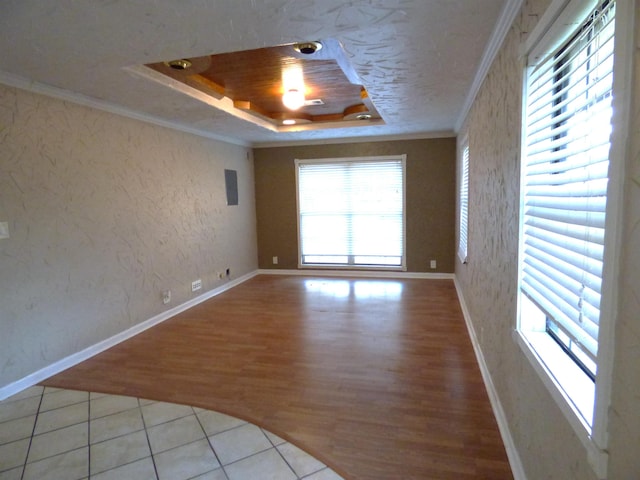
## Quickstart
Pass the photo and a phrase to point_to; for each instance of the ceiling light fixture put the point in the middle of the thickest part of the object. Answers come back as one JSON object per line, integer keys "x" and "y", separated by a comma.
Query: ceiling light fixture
{"x": 293, "y": 86}
{"x": 181, "y": 64}
{"x": 289, "y": 121}
{"x": 307, "y": 48}
{"x": 293, "y": 99}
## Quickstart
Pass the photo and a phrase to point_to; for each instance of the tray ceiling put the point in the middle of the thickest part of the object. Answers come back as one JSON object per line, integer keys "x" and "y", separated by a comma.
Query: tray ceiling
{"x": 415, "y": 59}
{"x": 257, "y": 82}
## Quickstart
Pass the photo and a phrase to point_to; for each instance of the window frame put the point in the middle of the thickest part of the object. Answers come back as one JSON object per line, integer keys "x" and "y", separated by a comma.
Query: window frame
{"x": 553, "y": 29}
{"x": 380, "y": 158}
{"x": 566, "y": 173}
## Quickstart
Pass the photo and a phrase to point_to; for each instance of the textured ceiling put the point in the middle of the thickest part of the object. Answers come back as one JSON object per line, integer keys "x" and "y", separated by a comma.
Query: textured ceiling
{"x": 417, "y": 58}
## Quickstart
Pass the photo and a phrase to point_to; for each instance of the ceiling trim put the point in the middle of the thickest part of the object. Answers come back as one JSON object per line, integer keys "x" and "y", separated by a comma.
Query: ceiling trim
{"x": 244, "y": 111}
{"x": 79, "y": 99}
{"x": 22, "y": 83}
{"x": 361, "y": 139}
{"x": 221, "y": 103}
{"x": 508, "y": 15}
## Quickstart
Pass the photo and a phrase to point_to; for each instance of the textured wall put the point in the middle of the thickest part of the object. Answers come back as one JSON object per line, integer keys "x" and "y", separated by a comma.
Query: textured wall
{"x": 106, "y": 212}
{"x": 548, "y": 447}
{"x": 430, "y": 199}
{"x": 624, "y": 460}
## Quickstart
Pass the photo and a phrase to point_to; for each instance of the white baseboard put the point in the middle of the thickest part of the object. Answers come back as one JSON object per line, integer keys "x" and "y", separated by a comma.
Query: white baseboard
{"x": 67, "y": 362}
{"x": 512, "y": 453}
{"x": 357, "y": 273}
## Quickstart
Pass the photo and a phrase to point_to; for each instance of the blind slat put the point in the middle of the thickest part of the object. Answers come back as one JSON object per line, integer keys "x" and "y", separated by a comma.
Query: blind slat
{"x": 596, "y": 187}
{"x": 575, "y": 306}
{"x": 595, "y": 171}
{"x": 569, "y": 269}
{"x": 549, "y": 303}
{"x": 579, "y": 232}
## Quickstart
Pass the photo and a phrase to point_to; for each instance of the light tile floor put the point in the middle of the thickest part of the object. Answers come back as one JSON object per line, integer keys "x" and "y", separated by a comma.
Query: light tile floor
{"x": 55, "y": 434}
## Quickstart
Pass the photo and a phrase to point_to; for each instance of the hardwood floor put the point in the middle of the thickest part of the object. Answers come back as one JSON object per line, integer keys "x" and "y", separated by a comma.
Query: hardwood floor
{"x": 376, "y": 378}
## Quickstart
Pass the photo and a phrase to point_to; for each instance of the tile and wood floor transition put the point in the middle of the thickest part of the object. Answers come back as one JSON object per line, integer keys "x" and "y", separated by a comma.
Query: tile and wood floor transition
{"x": 375, "y": 378}
{"x": 58, "y": 434}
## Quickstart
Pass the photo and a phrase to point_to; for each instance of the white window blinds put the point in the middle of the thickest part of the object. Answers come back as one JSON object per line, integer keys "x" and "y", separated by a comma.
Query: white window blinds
{"x": 565, "y": 179}
{"x": 464, "y": 205}
{"x": 351, "y": 213}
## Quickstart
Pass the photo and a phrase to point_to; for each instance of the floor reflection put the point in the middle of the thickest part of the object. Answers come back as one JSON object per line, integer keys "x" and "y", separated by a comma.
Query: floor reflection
{"x": 353, "y": 320}
{"x": 358, "y": 289}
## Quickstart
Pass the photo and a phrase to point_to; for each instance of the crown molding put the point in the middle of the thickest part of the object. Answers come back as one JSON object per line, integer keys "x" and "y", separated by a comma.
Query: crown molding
{"x": 22, "y": 83}
{"x": 361, "y": 139}
{"x": 508, "y": 15}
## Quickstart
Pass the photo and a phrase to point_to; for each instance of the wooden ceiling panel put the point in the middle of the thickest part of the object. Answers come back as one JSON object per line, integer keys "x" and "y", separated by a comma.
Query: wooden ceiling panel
{"x": 254, "y": 79}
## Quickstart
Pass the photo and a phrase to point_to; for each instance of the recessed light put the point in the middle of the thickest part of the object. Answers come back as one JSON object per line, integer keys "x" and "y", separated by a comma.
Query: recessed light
{"x": 289, "y": 121}
{"x": 364, "y": 116}
{"x": 181, "y": 64}
{"x": 307, "y": 48}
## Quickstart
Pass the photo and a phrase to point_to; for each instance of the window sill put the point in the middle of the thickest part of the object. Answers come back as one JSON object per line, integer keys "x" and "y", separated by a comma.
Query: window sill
{"x": 576, "y": 388}
{"x": 572, "y": 390}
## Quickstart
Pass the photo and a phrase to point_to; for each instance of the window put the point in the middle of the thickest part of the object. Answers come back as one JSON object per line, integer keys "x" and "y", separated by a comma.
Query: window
{"x": 564, "y": 196}
{"x": 464, "y": 204}
{"x": 351, "y": 212}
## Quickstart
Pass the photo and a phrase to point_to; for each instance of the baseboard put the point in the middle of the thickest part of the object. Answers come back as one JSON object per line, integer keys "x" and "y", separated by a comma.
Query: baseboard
{"x": 509, "y": 445}
{"x": 67, "y": 362}
{"x": 357, "y": 273}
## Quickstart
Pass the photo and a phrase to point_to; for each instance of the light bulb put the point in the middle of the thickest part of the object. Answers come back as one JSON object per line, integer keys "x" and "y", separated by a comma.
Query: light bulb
{"x": 293, "y": 99}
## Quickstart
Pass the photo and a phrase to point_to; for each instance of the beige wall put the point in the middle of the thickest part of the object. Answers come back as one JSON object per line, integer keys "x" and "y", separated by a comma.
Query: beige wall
{"x": 624, "y": 417}
{"x": 104, "y": 213}
{"x": 547, "y": 445}
{"x": 430, "y": 197}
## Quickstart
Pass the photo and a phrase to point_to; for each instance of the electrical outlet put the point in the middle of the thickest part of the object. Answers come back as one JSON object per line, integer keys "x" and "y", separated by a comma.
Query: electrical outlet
{"x": 433, "y": 264}
{"x": 196, "y": 285}
{"x": 166, "y": 296}
{"x": 4, "y": 230}
{"x": 275, "y": 260}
